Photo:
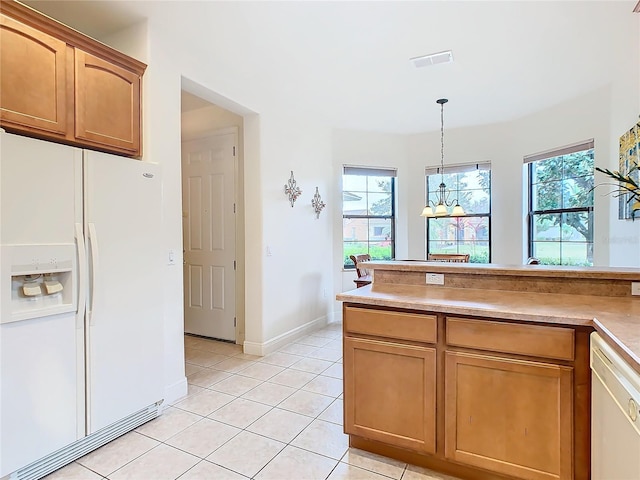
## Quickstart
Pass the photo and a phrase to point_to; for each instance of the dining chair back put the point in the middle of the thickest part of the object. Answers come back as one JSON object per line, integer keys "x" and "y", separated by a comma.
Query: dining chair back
{"x": 358, "y": 260}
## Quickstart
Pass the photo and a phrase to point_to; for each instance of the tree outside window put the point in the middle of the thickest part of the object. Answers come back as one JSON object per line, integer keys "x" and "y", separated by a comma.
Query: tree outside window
{"x": 470, "y": 233}
{"x": 561, "y": 208}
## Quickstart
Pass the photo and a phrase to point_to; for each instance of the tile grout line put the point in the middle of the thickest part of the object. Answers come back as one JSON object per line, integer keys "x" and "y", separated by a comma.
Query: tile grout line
{"x": 313, "y": 418}
{"x": 333, "y": 399}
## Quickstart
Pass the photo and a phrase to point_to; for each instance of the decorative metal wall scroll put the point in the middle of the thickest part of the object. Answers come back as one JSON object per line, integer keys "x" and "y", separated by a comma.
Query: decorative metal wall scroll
{"x": 317, "y": 203}
{"x": 292, "y": 190}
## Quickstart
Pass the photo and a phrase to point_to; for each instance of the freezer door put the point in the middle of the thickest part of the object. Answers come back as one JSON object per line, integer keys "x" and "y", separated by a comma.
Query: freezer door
{"x": 40, "y": 187}
{"x": 124, "y": 317}
{"x": 41, "y": 350}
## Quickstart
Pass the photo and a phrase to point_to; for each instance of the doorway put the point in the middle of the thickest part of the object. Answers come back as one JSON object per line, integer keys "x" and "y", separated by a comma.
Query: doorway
{"x": 213, "y": 240}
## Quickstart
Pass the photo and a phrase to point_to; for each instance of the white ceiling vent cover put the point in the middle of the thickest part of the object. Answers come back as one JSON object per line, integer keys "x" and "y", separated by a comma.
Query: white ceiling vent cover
{"x": 433, "y": 59}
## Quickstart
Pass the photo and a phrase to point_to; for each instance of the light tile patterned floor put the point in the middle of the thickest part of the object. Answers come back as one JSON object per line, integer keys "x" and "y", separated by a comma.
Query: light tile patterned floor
{"x": 277, "y": 417}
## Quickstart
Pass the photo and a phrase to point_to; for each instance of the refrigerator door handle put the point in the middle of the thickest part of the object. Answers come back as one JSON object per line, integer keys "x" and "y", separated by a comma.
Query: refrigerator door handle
{"x": 82, "y": 275}
{"x": 93, "y": 241}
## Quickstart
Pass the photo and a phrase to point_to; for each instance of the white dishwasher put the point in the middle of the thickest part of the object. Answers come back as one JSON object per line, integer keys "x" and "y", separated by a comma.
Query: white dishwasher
{"x": 615, "y": 415}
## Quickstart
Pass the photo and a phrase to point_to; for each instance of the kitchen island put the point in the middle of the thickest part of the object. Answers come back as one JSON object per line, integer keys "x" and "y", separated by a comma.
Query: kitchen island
{"x": 486, "y": 375}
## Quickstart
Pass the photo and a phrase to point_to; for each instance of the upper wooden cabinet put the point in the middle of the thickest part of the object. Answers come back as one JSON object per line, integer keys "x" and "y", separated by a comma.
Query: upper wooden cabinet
{"x": 61, "y": 85}
{"x": 32, "y": 62}
{"x": 107, "y": 103}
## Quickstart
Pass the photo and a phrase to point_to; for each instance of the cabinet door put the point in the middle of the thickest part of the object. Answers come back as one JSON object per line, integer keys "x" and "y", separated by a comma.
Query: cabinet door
{"x": 390, "y": 393}
{"x": 107, "y": 104}
{"x": 509, "y": 416}
{"x": 33, "y": 85}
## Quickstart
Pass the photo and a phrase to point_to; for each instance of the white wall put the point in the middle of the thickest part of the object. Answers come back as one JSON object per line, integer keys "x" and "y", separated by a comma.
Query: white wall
{"x": 293, "y": 288}
{"x": 505, "y": 145}
{"x": 297, "y": 280}
{"x": 202, "y": 121}
{"x": 624, "y": 235}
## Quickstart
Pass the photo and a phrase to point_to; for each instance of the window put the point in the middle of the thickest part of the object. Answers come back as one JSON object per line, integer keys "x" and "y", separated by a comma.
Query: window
{"x": 471, "y": 233}
{"x": 561, "y": 205}
{"x": 368, "y": 213}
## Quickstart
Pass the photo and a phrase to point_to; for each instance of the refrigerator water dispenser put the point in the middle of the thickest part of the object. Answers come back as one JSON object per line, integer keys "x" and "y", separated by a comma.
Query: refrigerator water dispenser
{"x": 41, "y": 280}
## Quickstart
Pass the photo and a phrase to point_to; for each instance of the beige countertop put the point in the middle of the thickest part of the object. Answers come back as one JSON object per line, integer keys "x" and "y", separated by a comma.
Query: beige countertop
{"x": 604, "y": 273}
{"x": 616, "y": 318}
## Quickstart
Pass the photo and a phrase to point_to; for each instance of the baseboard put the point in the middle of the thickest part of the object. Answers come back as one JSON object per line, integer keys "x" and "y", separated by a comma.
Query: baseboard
{"x": 175, "y": 391}
{"x": 270, "y": 346}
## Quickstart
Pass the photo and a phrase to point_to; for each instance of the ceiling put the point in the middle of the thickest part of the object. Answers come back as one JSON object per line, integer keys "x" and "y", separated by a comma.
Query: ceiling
{"x": 347, "y": 63}
{"x": 189, "y": 102}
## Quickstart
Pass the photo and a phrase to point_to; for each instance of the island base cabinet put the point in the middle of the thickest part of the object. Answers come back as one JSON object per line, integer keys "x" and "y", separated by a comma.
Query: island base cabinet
{"x": 513, "y": 417}
{"x": 390, "y": 393}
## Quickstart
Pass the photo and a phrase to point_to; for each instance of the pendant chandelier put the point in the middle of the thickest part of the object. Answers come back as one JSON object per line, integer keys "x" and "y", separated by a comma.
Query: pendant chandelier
{"x": 440, "y": 208}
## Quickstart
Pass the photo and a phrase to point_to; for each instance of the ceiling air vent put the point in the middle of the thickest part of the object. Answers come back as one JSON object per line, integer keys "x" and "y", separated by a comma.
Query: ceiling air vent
{"x": 433, "y": 59}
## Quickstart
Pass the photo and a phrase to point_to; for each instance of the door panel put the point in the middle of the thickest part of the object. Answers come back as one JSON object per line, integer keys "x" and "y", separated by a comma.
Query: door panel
{"x": 32, "y": 62}
{"x": 195, "y": 286}
{"x": 509, "y": 416}
{"x": 107, "y": 103}
{"x": 124, "y": 335}
{"x": 208, "y": 173}
{"x": 194, "y": 188}
{"x": 391, "y": 393}
{"x": 40, "y": 388}
{"x": 41, "y": 191}
{"x": 41, "y": 359}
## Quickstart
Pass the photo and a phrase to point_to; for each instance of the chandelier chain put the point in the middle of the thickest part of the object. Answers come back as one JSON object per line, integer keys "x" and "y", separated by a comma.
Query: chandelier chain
{"x": 439, "y": 208}
{"x": 442, "y": 142}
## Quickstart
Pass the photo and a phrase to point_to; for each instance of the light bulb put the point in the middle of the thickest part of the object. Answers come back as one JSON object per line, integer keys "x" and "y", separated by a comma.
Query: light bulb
{"x": 458, "y": 211}
{"x": 427, "y": 212}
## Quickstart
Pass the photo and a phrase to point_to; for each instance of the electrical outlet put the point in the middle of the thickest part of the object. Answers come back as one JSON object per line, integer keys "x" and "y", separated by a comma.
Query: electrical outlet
{"x": 635, "y": 288}
{"x": 435, "y": 279}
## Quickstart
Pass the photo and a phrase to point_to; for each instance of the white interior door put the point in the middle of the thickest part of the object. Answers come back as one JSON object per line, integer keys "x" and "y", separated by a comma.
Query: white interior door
{"x": 208, "y": 196}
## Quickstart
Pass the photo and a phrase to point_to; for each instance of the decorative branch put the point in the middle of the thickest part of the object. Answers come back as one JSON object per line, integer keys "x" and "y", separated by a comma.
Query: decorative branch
{"x": 292, "y": 190}
{"x": 626, "y": 186}
{"x": 317, "y": 203}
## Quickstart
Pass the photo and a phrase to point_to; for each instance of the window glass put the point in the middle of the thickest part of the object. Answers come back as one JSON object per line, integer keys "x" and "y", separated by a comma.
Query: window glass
{"x": 470, "y": 233}
{"x": 561, "y": 209}
{"x": 368, "y": 211}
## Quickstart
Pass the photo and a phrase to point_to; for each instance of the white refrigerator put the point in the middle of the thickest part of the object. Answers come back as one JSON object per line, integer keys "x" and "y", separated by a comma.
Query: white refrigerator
{"x": 81, "y": 342}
